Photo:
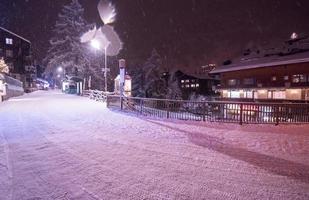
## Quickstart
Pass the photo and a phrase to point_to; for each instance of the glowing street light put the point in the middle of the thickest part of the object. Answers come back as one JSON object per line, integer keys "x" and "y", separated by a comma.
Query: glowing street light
{"x": 95, "y": 44}
{"x": 60, "y": 69}
{"x": 104, "y": 37}
{"x": 100, "y": 42}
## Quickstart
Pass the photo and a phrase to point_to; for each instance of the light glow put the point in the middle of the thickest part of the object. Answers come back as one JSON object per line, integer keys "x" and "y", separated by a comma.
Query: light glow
{"x": 95, "y": 44}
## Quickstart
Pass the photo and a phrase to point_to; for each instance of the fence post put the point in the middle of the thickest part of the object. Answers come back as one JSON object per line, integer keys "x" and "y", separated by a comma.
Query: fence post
{"x": 167, "y": 109}
{"x": 204, "y": 111}
{"x": 141, "y": 102}
{"x": 121, "y": 103}
{"x": 241, "y": 112}
{"x": 107, "y": 104}
{"x": 277, "y": 115}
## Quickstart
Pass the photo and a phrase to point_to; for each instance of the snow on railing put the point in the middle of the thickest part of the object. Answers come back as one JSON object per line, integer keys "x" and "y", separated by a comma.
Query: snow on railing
{"x": 214, "y": 111}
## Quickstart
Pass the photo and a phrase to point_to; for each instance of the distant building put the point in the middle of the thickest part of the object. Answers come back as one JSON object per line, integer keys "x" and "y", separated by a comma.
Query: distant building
{"x": 273, "y": 73}
{"x": 201, "y": 84}
{"x": 16, "y": 52}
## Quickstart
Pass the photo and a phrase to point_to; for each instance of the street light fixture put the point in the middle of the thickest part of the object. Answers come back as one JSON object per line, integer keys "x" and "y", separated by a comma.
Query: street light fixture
{"x": 96, "y": 44}
{"x": 60, "y": 69}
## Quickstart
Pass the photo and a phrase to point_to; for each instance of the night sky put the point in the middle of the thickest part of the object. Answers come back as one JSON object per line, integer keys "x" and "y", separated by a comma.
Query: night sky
{"x": 186, "y": 33}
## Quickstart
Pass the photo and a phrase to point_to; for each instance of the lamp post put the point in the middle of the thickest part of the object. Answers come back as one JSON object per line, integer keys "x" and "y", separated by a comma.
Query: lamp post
{"x": 97, "y": 45}
{"x": 61, "y": 76}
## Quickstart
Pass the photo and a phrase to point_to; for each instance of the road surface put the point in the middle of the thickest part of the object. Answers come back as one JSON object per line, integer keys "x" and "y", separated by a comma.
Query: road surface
{"x": 56, "y": 146}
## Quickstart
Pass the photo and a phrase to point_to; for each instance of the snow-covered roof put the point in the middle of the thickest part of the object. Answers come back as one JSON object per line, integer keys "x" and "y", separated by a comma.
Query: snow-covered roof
{"x": 270, "y": 61}
{"x": 15, "y": 34}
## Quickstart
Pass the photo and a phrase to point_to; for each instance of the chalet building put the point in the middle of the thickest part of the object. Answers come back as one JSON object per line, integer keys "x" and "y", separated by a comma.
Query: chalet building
{"x": 201, "y": 84}
{"x": 271, "y": 74}
{"x": 16, "y": 52}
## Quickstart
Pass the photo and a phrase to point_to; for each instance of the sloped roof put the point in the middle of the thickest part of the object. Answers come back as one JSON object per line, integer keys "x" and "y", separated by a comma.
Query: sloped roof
{"x": 198, "y": 76}
{"x": 292, "y": 51}
{"x": 270, "y": 61}
{"x": 15, "y": 34}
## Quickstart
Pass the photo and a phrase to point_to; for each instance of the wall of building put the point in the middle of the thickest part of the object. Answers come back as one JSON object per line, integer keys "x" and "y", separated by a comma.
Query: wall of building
{"x": 16, "y": 52}
{"x": 277, "y": 82}
{"x": 263, "y": 77}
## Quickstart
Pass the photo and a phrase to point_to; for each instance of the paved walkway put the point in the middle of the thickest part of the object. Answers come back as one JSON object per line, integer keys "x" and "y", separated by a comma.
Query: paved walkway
{"x": 56, "y": 146}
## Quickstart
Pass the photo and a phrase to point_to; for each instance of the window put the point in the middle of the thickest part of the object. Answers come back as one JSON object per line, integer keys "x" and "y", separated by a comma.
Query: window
{"x": 270, "y": 94}
{"x": 9, "y": 53}
{"x": 273, "y": 78}
{"x": 197, "y": 85}
{"x": 248, "y": 81}
{"x": 232, "y": 82}
{"x": 286, "y": 78}
{"x": 279, "y": 95}
{"x": 299, "y": 78}
{"x": 8, "y": 41}
{"x": 187, "y": 81}
{"x": 182, "y": 81}
{"x": 235, "y": 94}
{"x": 193, "y": 85}
{"x": 248, "y": 94}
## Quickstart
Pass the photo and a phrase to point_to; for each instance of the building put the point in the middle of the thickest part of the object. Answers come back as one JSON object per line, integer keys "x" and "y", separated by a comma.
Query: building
{"x": 16, "y": 52}
{"x": 200, "y": 84}
{"x": 272, "y": 74}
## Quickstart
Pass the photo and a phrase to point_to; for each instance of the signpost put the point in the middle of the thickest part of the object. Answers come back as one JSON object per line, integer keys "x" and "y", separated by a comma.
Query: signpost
{"x": 122, "y": 66}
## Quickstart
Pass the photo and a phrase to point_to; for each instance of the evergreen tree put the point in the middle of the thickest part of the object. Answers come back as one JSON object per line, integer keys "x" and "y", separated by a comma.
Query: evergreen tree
{"x": 155, "y": 86}
{"x": 173, "y": 90}
{"x": 65, "y": 47}
{"x": 138, "y": 83}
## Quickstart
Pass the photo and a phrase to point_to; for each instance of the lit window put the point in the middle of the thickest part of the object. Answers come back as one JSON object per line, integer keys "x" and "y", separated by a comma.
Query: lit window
{"x": 187, "y": 86}
{"x": 187, "y": 81}
{"x": 182, "y": 81}
{"x": 9, "y": 53}
{"x": 193, "y": 85}
{"x": 273, "y": 78}
{"x": 232, "y": 82}
{"x": 8, "y": 41}
{"x": 286, "y": 78}
{"x": 279, "y": 95}
{"x": 299, "y": 78}
{"x": 197, "y": 85}
{"x": 248, "y": 94}
{"x": 235, "y": 94}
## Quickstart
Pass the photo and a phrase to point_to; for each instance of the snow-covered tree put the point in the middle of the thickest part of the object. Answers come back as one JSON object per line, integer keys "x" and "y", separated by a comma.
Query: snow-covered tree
{"x": 155, "y": 86}
{"x": 138, "y": 83}
{"x": 66, "y": 49}
{"x": 173, "y": 89}
{"x": 4, "y": 68}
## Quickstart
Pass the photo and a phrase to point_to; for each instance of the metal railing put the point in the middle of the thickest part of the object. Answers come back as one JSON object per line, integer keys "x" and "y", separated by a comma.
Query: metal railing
{"x": 214, "y": 111}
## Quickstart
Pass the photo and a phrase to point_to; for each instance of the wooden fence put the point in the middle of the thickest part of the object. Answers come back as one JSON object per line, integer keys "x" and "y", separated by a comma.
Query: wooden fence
{"x": 214, "y": 111}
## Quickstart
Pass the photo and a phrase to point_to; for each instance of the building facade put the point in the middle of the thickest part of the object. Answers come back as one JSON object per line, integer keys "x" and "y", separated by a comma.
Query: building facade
{"x": 281, "y": 74}
{"x": 200, "y": 84}
{"x": 16, "y": 52}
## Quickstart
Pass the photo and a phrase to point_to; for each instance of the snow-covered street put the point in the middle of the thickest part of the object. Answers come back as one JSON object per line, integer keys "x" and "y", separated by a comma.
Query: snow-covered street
{"x": 56, "y": 146}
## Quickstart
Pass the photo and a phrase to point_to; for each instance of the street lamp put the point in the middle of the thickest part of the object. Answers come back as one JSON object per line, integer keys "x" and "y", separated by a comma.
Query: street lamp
{"x": 60, "y": 69}
{"x": 96, "y": 44}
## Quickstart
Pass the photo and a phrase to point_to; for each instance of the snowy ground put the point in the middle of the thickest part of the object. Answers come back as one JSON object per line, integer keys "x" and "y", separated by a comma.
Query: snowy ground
{"x": 55, "y": 146}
